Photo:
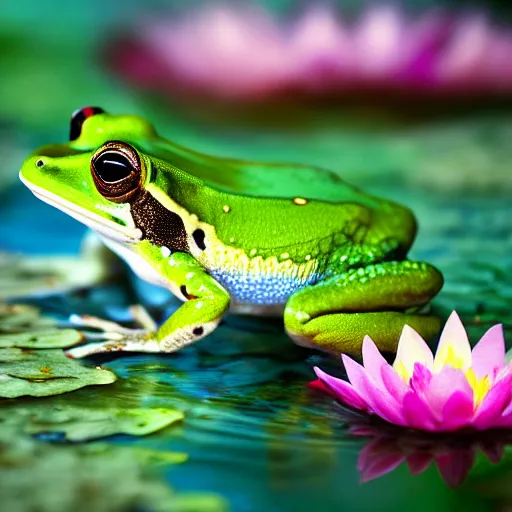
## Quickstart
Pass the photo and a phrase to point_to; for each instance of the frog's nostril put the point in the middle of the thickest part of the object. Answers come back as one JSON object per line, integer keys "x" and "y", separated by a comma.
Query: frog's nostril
{"x": 78, "y": 117}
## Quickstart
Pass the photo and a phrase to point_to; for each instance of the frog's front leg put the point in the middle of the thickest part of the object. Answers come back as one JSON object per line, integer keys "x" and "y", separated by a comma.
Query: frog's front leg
{"x": 336, "y": 313}
{"x": 206, "y": 303}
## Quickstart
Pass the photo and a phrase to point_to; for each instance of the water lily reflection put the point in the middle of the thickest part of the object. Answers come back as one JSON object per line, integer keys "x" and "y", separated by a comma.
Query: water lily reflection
{"x": 454, "y": 455}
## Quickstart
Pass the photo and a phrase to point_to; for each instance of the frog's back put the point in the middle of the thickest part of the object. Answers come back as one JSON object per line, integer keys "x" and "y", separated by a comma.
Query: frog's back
{"x": 261, "y": 179}
{"x": 281, "y": 208}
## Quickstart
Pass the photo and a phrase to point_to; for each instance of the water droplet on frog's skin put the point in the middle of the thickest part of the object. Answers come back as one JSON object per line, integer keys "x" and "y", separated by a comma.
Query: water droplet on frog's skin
{"x": 300, "y": 201}
{"x": 166, "y": 252}
{"x": 226, "y": 208}
{"x": 284, "y": 256}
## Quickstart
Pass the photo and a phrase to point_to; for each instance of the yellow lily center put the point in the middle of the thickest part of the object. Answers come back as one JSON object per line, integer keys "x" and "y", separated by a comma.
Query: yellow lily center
{"x": 480, "y": 386}
{"x": 402, "y": 371}
{"x": 449, "y": 357}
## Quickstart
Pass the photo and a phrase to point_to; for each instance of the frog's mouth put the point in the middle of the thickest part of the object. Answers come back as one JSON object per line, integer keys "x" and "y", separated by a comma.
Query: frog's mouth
{"x": 103, "y": 226}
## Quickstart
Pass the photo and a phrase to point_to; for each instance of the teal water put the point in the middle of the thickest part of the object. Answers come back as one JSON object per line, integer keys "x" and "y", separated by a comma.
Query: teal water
{"x": 254, "y": 432}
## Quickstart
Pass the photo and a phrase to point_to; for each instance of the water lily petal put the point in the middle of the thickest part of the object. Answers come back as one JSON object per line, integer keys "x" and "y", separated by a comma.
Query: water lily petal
{"x": 453, "y": 348}
{"x": 376, "y": 459}
{"x": 442, "y": 386}
{"x": 379, "y": 401}
{"x": 418, "y": 462}
{"x": 355, "y": 374}
{"x": 492, "y": 407}
{"x": 455, "y": 466}
{"x": 417, "y": 413}
{"x": 489, "y": 352}
{"x": 383, "y": 404}
{"x": 457, "y": 411}
{"x": 393, "y": 383}
{"x": 421, "y": 378}
{"x": 506, "y": 415}
{"x": 412, "y": 349}
{"x": 318, "y": 385}
{"x": 342, "y": 390}
{"x": 373, "y": 360}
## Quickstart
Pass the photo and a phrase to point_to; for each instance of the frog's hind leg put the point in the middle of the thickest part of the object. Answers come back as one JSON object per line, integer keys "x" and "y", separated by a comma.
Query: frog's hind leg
{"x": 336, "y": 313}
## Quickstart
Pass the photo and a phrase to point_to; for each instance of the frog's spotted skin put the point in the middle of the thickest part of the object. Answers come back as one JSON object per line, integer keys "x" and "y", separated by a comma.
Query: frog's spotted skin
{"x": 221, "y": 233}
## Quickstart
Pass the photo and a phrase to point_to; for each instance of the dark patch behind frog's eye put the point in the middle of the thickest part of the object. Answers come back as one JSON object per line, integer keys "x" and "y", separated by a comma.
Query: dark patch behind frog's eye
{"x": 112, "y": 166}
{"x": 78, "y": 117}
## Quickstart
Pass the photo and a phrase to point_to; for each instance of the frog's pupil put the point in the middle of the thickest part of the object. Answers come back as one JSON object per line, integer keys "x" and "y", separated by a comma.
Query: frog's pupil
{"x": 112, "y": 167}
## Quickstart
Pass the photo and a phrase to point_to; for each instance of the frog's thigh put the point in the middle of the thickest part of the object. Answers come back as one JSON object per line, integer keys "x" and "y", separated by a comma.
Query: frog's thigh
{"x": 336, "y": 314}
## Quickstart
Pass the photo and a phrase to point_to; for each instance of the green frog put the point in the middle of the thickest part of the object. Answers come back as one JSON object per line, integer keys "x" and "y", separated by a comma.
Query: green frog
{"x": 230, "y": 235}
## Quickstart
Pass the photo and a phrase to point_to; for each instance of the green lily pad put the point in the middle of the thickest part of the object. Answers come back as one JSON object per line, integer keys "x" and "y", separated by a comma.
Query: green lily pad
{"x": 45, "y": 372}
{"x": 85, "y": 423}
{"x": 39, "y": 275}
{"x": 54, "y": 338}
{"x": 19, "y": 317}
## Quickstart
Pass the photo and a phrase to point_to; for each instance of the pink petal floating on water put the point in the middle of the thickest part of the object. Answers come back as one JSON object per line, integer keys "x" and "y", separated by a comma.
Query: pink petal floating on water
{"x": 342, "y": 389}
{"x": 379, "y": 401}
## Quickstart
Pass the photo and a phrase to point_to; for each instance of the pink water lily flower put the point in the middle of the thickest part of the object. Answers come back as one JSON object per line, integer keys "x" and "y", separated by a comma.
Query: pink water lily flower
{"x": 458, "y": 388}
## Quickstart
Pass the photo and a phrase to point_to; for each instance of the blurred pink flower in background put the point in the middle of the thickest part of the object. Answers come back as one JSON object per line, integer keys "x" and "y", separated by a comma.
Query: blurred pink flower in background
{"x": 244, "y": 52}
{"x": 457, "y": 389}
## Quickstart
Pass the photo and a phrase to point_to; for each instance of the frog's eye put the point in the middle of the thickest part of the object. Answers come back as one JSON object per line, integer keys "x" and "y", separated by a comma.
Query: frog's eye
{"x": 77, "y": 120}
{"x": 116, "y": 171}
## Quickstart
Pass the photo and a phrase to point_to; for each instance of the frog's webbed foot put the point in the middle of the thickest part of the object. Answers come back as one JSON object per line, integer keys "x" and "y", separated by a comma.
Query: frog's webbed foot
{"x": 378, "y": 300}
{"x": 115, "y": 337}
